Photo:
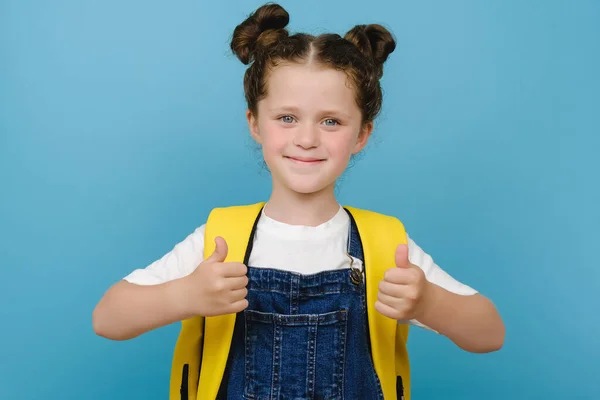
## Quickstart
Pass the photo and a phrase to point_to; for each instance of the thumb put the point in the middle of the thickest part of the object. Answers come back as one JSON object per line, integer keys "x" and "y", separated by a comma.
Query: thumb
{"x": 220, "y": 252}
{"x": 401, "y": 256}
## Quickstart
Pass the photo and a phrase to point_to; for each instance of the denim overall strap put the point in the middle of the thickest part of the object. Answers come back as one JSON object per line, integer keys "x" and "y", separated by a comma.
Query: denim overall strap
{"x": 302, "y": 336}
{"x": 354, "y": 244}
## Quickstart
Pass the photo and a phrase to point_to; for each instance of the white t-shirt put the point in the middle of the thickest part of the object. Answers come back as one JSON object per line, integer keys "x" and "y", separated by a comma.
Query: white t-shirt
{"x": 297, "y": 248}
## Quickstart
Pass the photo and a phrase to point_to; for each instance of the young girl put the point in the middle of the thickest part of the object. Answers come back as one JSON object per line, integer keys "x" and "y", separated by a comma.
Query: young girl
{"x": 299, "y": 297}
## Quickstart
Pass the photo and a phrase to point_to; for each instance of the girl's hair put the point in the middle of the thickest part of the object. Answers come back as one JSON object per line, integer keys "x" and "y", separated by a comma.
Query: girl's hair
{"x": 263, "y": 42}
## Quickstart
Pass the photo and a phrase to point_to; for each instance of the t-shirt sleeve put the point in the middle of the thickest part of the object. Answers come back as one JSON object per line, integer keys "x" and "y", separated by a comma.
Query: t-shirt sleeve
{"x": 434, "y": 274}
{"x": 177, "y": 263}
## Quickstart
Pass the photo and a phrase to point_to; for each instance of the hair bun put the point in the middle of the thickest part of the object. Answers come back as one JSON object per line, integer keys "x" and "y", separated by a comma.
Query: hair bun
{"x": 262, "y": 28}
{"x": 374, "y": 41}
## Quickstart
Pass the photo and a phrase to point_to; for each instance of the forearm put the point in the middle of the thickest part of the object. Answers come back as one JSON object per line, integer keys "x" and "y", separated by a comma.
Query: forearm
{"x": 128, "y": 310}
{"x": 470, "y": 321}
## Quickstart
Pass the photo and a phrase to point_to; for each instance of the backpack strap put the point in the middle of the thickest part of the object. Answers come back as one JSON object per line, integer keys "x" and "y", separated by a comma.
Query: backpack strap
{"x": 234, "y": 224}
{"x": 185, "y": 365}
{"x": 380, "y": 235}
{"x": 203, "y": 344}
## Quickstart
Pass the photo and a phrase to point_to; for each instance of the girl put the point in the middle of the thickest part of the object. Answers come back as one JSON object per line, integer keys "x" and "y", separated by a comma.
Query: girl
{"x": 306, "y": 310}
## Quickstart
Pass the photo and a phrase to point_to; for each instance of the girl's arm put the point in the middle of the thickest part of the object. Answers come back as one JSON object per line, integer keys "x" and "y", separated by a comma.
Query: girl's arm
{"x": 470, "y": 321}
{"x": 128, "y": 310}
{"x": 215, "y": 287}
{"x": 426, "y": 295}
{"x": 150, "y": 298}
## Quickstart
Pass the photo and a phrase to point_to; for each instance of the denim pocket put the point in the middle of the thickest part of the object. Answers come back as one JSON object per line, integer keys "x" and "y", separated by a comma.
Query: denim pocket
{"x": 295, "y": 356}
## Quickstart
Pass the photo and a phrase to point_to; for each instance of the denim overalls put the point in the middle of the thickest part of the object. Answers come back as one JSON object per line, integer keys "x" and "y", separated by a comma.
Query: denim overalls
{"x": 302, "y": 336}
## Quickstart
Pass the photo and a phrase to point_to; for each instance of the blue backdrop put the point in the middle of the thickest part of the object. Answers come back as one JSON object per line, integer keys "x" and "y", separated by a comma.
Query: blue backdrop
{"x": 122, "y": 125}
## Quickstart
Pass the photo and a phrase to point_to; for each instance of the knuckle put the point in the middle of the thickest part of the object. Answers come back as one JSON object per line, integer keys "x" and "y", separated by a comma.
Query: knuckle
{"x": 219, "y": 285}
{"x": 391, "y": 274}
{"x": 413, "y": 294}
{"x": 243, "y": 269}
{"x": 242, "y": 305}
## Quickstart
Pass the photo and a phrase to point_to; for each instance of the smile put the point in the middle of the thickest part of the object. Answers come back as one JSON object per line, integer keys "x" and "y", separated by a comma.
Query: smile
{"x": 305, "y": 160}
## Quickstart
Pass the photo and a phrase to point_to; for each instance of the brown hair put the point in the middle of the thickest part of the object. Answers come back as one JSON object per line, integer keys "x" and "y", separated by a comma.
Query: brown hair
{"x": 262, "y": 41}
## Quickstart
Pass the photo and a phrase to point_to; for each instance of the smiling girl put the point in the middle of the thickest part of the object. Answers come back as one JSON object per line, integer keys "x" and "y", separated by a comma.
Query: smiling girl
{"x": 299, "y": 297}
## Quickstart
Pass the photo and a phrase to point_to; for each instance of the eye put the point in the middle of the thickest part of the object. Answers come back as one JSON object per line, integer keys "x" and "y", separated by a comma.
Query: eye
{"x": 288, "y": 119}
{"x": 331, "y": 122}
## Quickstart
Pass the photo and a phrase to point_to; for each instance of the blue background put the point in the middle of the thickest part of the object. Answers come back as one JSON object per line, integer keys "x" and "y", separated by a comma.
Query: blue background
{"x": 122, "y": 125}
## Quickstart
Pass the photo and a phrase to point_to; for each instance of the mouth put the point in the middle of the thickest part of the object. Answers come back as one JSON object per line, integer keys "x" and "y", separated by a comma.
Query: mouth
{"x": 305, "y": 160}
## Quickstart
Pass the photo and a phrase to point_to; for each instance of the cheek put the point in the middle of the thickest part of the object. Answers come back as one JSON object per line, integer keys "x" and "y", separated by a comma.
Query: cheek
{"x": 274, "y": 138}
{"x": 341, "y": 144}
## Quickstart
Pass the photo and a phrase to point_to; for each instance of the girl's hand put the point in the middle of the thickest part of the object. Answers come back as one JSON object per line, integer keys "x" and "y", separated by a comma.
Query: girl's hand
{"x": 215, "y": 287}
{"x": 404, "y": 291}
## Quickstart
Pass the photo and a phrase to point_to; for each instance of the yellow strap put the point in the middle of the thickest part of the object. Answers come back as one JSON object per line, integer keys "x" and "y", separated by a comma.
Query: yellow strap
{"x": 383, "y": 233}
{"x": 402, "y": 360}
{"x": 234, "y": 224}
{"x": 186, "y": 358}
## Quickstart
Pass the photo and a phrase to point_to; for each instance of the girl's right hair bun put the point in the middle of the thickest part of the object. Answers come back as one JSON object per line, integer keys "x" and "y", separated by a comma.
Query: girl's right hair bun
{"x": 262, "y": 28}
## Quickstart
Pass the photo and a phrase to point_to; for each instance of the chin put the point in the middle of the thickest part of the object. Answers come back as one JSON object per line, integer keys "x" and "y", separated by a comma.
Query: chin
{"x": 307, "y": 187}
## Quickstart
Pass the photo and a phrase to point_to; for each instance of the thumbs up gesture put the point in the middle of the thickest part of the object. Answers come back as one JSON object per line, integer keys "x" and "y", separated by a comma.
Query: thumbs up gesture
{"x": 217, "y": 287}
{"x": 404, "y": 291}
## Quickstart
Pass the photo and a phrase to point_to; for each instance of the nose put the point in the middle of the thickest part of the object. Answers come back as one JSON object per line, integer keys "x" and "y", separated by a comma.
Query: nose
{"x": 307, "y": 136}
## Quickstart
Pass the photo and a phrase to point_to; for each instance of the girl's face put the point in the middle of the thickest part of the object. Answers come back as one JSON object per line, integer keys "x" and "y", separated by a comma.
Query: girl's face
{"x": 309, "y": 126}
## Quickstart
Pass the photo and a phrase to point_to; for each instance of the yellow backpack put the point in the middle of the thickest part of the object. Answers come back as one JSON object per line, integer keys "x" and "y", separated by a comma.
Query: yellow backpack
{"x": 207, "y": 340}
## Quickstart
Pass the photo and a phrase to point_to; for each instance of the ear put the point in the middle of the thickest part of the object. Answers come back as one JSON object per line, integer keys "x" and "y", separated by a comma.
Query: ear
{"x": 253, "y": 126}
{"x": 363, "y": 137}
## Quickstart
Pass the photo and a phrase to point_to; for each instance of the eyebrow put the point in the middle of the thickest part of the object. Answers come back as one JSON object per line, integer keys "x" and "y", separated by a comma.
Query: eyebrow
{"x": 284, "y": 109}
{"x": 335, "y": 112}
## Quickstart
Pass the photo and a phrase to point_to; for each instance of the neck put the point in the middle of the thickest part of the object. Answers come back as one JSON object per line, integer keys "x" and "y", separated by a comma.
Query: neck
{"x": 309, "y": 209}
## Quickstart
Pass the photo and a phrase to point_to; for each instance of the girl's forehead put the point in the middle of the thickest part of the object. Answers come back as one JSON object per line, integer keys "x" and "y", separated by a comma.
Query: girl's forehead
{"x": 298, "y": 83}
{"x": 306, "y": 72}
